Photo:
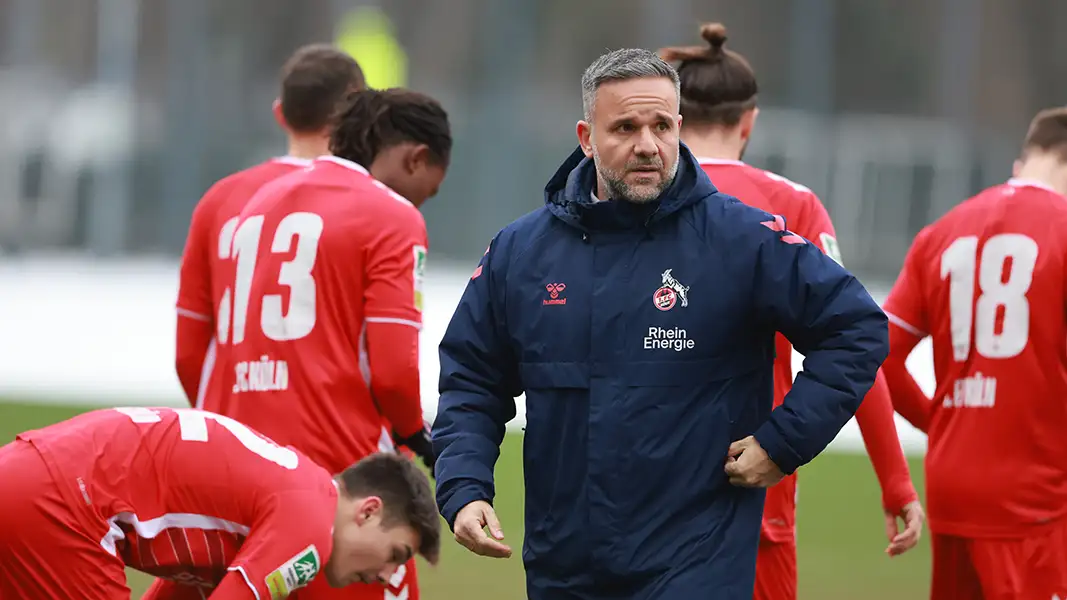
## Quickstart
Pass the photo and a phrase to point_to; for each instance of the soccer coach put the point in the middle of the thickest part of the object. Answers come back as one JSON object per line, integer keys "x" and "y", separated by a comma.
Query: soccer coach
{"x": 637, "y": 311}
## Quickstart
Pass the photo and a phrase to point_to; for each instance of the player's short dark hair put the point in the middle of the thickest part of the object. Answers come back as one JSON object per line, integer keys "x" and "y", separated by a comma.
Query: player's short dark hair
{"x": 405, "y": 493}
{"x": 718, "y": 86}
{"x": 370, "y": 121}
{"x": 315, "y": 79}
{"x": 1048, "y": 133}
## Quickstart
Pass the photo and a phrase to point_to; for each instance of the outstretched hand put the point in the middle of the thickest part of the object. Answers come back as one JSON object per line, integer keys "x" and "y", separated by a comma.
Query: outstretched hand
{"x": 470, "y": 532}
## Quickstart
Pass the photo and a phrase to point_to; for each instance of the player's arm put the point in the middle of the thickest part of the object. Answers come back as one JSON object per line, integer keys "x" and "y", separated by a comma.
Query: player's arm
{"x": 478, "y": 385}
{"x": 879, "y": 431}
{"x": 162, "y": 589}
{"x": 395, "y": 260}
{"x": 906, "y": 310}
{"x": 287, "y": 548}
{"x": 195, "y": 323}
{"x": 830, "y": 318}
{"x": 233, "y": 587}
{"x": 875, "y": 414}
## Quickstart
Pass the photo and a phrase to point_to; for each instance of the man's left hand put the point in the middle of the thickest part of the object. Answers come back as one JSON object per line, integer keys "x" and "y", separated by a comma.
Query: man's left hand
{"x": 748, "y": 465}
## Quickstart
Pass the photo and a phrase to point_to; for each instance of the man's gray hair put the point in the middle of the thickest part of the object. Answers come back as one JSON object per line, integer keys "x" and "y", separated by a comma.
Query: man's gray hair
{"x": 620, "y": 65}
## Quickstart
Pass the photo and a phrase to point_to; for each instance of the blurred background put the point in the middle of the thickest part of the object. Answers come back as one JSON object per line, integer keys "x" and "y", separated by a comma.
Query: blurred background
{"x": 116, "y": 115}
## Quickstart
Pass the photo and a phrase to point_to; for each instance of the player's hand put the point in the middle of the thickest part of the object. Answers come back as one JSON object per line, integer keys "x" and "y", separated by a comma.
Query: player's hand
{"x": 901, "y": 541}
{"x": 749, "y": 465}
{"x": 420, "y": 443}
{"x": 470, "y": 532}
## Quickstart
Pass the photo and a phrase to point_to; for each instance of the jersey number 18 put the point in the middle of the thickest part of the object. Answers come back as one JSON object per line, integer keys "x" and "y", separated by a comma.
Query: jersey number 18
{"x": 998, "y": 293}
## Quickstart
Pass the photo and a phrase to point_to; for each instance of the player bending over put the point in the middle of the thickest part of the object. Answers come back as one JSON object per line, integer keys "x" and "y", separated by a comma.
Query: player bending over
{"x": 718, "y": 106}
{"x": 988, "y": 282}
{"x": 202, "y": 501}
{"x": 314, "y": 80}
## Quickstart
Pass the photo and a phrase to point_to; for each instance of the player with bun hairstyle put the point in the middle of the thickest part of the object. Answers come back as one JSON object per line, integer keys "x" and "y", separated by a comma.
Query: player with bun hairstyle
{"x": 719, "y": 109}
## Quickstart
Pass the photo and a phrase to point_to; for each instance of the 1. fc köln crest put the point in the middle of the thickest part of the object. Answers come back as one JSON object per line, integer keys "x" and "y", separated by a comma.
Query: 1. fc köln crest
{"x": 670, "y": 292}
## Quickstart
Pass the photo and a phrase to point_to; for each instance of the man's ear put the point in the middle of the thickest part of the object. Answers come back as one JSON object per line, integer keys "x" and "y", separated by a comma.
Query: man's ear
{"x": 748, "y": 123}
{"x": 367, "y": 508}
{"x": 585, "y": 137}
{"x": 279, "y": 118}
{"x": 416, "y": 158}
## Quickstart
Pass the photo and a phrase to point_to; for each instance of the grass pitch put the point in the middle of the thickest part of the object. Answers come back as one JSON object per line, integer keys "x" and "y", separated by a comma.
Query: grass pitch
{"x": 840, "y": 534}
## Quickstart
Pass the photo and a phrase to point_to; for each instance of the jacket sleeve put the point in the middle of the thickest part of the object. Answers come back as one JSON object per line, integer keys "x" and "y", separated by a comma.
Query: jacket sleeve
{"x": 830, "y": 318}
{"x": 478, "y": 385}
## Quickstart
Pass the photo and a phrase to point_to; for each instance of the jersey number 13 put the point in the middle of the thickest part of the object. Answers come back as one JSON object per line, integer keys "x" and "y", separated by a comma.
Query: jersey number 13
{"x": 241, "y": 244}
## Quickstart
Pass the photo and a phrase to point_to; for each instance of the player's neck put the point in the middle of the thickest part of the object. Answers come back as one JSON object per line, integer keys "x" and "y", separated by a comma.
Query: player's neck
{"x": 308, "y": 147}
{"x": 1047, "y": 170}
{"x": 714, "y": 143}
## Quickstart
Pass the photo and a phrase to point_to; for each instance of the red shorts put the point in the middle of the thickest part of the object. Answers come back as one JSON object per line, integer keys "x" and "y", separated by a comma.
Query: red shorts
{"x": 776, "y": 571}
{"x": 1032, "y": 568}
{"x": 45, "y": 552}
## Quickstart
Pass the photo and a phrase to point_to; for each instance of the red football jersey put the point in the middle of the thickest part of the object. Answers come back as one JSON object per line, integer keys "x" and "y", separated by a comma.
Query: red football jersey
{"x": 988, "y": 282}
{"x": 202, "y": 283}
{"x": 188, "y": 495}
{"x": 805, "y": 215}
{"x": 320, "y": 255}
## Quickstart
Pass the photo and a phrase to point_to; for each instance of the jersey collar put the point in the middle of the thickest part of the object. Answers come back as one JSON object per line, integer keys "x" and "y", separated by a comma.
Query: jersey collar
{"x": 720, "y": 161}
{"x": 354, "y": 166}
{"x": 292, "y": 160}
{"x": 348, "y": 164}
{"x": 1041, "y": 185}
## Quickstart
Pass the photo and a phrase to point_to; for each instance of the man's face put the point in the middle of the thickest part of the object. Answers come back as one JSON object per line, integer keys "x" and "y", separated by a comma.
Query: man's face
{"x": 409, "y": 170}
{"x": 365, "y": 551}
{"x": 633, "y": 138}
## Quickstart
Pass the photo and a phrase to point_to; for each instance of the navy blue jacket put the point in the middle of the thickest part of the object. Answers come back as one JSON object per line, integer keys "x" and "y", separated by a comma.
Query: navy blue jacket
{"x": 643, "y": 338}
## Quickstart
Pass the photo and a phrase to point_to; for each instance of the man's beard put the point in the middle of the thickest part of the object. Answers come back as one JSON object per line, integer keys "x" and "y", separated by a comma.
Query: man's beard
{"x": 618, "y": 189}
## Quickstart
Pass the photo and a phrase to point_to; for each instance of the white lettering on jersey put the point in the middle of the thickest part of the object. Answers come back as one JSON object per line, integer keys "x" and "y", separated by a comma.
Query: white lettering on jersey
{"x": 263, "y": 375}
{"x": 976, "y": 391}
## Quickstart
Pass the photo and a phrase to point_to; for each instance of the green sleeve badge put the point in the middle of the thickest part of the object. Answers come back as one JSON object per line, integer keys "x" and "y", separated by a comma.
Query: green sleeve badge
{"x": 295, "y": 573}
{"x": 419, "y": 274}
{"x": 830, "y": 247}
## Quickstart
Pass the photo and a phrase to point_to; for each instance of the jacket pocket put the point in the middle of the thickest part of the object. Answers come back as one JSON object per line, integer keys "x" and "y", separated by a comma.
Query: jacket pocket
{"x": 554, "y": 375}
{"x": 687, "y": 373}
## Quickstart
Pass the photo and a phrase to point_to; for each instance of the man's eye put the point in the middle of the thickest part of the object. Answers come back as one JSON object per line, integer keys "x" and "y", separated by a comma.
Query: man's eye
{"x": 664, "y": 126}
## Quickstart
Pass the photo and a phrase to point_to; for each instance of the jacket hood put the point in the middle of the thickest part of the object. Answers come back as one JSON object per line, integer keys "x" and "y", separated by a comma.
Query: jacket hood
{"x": 568, "y": 194}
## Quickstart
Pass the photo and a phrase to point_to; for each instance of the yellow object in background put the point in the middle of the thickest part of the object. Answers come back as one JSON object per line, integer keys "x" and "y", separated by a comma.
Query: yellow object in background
{"x": 366, "y": 34}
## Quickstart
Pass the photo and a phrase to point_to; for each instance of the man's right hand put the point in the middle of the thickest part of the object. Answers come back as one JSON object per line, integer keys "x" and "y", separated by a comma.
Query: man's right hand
{"x": 470, "y": 532}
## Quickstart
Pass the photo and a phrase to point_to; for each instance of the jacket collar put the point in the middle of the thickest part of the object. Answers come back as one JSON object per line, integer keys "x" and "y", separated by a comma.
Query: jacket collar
{"x": 569, "y": 194}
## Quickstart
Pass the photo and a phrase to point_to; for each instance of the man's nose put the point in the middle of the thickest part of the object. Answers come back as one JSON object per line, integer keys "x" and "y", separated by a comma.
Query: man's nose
{"x": 387, "y": 573}
{"x": 646, "y": 143}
